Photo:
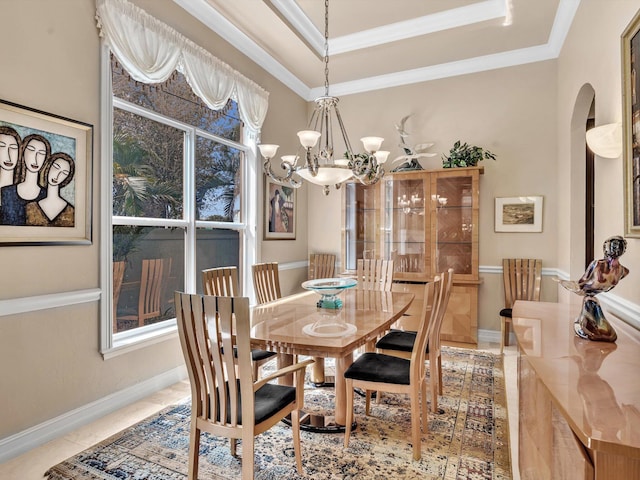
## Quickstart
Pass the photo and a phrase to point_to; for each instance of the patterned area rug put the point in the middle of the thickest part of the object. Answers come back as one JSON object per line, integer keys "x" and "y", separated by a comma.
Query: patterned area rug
{"x": 470, "y": 440}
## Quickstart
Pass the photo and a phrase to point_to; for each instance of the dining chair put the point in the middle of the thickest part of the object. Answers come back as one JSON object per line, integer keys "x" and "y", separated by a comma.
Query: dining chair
{"x": 374, "y": 274}
{"x": 227, "y": 401}
{"x": 522, "y": 278}
{"x": 220, "y": 281}
{"x": 321, "y": 265}
{"x": 400, "y": 343}
{"x": 380, "y": 372}
{"x": 153, "y": 278}
{"x": 266, "y": 282}
{"x": 118, "y": 276}
{"x": 223, "y": 282}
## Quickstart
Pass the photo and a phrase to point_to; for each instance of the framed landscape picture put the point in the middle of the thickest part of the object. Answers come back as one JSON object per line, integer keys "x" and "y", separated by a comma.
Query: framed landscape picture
{"x": 631, "y": 126}
{"x": 279, "y": 211}
{"x": 518, "y": 214}
{"x": 45, "y": 178}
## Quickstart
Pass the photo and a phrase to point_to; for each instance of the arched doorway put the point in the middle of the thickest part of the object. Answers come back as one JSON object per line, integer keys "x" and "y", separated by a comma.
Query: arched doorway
{"x": 582, "y": 205}
{"x": 590, "y": 198}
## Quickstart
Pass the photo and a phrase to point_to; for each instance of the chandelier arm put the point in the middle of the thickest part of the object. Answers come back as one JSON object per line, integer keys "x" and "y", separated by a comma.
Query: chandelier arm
{"x": 311, "y": 162}
{"x": 285, "y": 165}
{"x": 343, "y": 131}
{"x": 372, "y": 180}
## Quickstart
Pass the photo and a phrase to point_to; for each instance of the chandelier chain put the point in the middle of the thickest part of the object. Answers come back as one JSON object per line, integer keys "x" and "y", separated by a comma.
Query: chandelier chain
{"x": 326, "y": 47}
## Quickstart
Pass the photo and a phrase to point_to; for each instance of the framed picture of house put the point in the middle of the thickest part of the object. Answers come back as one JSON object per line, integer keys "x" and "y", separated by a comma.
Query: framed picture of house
{"x": 279, "y": 211}
{"x": 518, "y": 214}
{"x": 631, "y": 125}
{"x": 45, "y": 178}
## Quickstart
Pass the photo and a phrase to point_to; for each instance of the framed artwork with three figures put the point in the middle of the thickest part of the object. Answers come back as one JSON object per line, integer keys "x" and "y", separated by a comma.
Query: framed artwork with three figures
{"x": 45, "y": 178}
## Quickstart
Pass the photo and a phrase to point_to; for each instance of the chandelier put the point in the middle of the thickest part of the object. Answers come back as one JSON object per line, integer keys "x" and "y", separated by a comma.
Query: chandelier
{"x": 317, "y": 147}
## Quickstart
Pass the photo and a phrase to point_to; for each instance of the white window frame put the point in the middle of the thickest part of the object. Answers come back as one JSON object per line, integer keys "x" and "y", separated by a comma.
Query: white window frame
{"x": 116, "y": 344}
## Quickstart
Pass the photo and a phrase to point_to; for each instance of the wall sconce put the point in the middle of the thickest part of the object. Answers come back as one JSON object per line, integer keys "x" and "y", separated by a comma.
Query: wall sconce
{"x": 606, "y": 140}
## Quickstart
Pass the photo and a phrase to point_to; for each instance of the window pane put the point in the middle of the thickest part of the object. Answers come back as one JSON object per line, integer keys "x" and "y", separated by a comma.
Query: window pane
{"x": 154, "y": 164}
{"x": 147, "y": 167}
{"x": 216, "y": 247}
{"x": 217, "y": 181}
{"x": 152, "y": 259}
{"x": 175, "y": 99}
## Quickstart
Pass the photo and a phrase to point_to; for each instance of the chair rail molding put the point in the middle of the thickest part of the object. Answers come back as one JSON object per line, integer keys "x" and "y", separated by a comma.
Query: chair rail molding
{"x": 625, "y": 310}
{"x": 15, "y": 306}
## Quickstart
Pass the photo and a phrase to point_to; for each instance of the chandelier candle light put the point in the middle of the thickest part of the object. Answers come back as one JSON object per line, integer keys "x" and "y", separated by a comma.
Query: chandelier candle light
{"x": 320, "y": 167}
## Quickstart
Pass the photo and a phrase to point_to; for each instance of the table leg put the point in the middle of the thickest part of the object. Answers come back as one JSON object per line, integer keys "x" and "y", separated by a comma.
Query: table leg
{"x": 341, "y": 389}
{"x": 284, "y": 360}
{"x": 317, "y": 371}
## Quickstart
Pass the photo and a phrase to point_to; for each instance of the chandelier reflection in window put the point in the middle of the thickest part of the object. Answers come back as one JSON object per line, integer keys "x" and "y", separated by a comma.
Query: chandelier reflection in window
{"x": 319, "y": 165}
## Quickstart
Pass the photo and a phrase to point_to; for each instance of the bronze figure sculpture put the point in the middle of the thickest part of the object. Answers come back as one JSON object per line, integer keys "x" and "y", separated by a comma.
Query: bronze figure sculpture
{"x": 601, "y": 276}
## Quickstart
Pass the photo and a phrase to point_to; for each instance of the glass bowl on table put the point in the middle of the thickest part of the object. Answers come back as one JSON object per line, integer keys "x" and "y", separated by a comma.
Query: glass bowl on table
{"x": 329, "y": 289}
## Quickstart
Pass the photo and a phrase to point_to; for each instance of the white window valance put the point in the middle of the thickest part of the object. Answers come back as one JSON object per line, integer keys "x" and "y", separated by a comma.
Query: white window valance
{"x": 151, "y": 50}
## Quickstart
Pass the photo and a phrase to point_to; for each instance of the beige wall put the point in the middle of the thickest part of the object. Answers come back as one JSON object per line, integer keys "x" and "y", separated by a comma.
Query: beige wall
{"x": 511, "y": 112}
{"x": 49, "y": 360}
{"x": 591, "y": 57}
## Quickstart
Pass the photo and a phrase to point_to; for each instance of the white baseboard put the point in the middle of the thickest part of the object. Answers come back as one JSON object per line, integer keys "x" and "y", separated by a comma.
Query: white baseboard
{"x": 491, "y": 336}
{"x": 56, "y": 427}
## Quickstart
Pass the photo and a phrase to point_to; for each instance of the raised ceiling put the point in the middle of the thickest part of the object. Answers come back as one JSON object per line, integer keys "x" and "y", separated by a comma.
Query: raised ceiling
{"x": 376, "y": 44}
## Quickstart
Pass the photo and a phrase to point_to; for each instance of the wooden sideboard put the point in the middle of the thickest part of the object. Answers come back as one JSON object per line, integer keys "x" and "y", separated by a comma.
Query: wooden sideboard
{"x": 579, "y": 401}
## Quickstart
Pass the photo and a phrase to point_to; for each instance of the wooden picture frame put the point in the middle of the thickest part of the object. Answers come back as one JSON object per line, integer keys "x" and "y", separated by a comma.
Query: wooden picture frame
{"x": 45, "y": 195}
{"x": 518, "y": 214}
{"x": 631, "y": 125}
{"x": 279, "y": 211}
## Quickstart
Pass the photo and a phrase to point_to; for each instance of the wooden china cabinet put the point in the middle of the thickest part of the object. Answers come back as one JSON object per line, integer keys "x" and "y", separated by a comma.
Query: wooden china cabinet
{"x": 426, "y": 221}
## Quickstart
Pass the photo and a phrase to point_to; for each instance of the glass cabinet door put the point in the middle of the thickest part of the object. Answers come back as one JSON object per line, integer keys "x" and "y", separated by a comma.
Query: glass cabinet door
{"x": 362, "y": 223}
{"x": 455, "y": 214}
{"x": 406, "y": 223}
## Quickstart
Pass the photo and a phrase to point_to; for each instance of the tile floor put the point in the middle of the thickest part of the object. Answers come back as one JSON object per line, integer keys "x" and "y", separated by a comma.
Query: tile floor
{"x": 32, "y": 464}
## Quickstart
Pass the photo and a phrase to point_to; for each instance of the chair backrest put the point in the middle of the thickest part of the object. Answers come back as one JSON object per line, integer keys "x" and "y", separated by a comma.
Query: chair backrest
{"x": 374, "y": 274}
{"x": 522, "y": 279}
{"x": 221, "y": 282}
{"x": 433, "y": 333}
{"x": 154, "y": 276}
{"x": 266, "y": 282}
{"x": 322, "y": 265}
{"x": 433, "y": 293}
{"x": 212, "y": 370}
{"x": 118, "y": 276}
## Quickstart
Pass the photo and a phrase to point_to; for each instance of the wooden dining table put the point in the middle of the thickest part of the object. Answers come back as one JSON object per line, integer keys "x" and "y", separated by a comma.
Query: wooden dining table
{"x": 294, "y": 325}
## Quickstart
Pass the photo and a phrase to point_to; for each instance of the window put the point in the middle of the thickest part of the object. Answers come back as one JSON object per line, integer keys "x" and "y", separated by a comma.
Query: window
{"x": 177, "y": 199}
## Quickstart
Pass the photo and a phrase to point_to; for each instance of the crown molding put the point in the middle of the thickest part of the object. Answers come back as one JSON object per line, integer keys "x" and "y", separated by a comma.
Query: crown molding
{"x": 445, "y": 20}
{"x": 201, "y": 10}
{"x": 550, "y": 50}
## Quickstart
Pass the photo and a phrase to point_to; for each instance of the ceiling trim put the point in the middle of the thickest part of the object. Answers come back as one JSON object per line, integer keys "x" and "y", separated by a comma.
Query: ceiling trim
{"x": 201, "y": 10}
{"x": 445, "y": 20}
{"x": 215, "y": 21}
{"x": 512, "y": 58}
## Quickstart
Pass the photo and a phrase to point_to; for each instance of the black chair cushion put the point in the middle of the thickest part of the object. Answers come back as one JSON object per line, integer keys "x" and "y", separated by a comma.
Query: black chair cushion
{"x": 271, "y": 398}
{"x": 377, "y": 367}
{"x": 257, "y": 355}
{"x": 505, "y": 312}
{"x": 268, "y": 399}
{"x": 398, "y": 340}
